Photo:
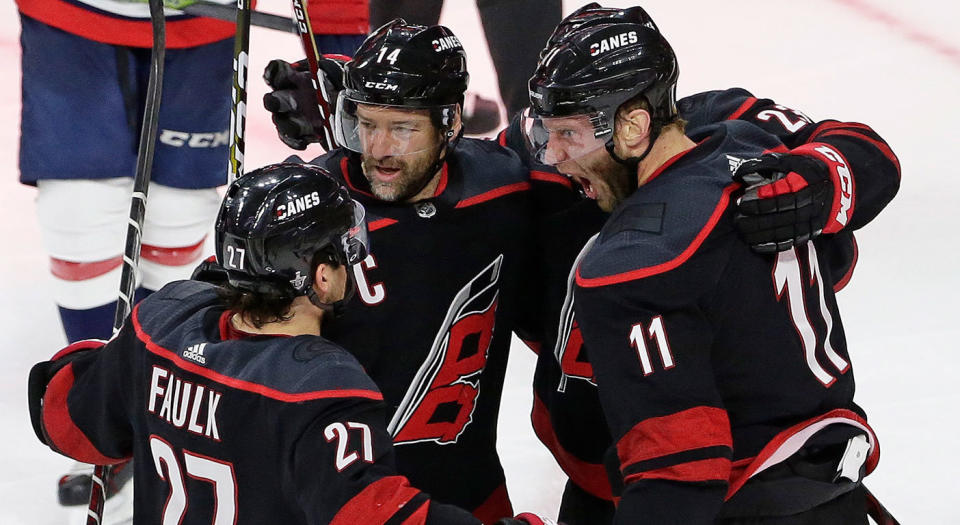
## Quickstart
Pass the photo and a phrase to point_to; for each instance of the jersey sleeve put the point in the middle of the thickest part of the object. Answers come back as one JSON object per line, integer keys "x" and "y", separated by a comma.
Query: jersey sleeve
{"x": 650, "y": 341}
{"x": 344, "y": 473}
{"x": 84, "y": 412}
{"x": 874, "y": 166}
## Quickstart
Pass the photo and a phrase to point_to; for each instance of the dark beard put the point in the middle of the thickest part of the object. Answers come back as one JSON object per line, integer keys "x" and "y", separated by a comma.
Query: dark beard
{"x": 414, "y": 176}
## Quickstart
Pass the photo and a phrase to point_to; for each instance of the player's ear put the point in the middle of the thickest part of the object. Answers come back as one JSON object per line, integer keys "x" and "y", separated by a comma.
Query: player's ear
{"x": 322, "y": 279}
{"x": 633, "y": 130}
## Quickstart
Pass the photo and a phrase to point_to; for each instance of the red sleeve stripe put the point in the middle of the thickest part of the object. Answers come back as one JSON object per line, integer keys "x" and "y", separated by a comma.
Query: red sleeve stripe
{"x": 789, "y": 441}
{"x": 714, "y": 469}
{"x": 82, "y": 271}
{"x": 380, "y": 223}
{"x": 556, "y": 178}
{"x": 240, "y": 384}
{"x": 177, "y": 256}
{"x": 842, "y": 283}
{"x": 743, "y": 108}
{"x": 494, "y": 194}
{"x": 377, "y": 502}
{"x": 496, "y": 506}
{"x": 419, "y": 516}
{"x": 591, "y": 477}
{"x": 108, "y": 28}
{"x": 86, "y": 344}
{"x": 882, "y": 146}
{"x": 641, "y": 273}
{"x": 690, "y": 429}
{"x": 63, "y": 433}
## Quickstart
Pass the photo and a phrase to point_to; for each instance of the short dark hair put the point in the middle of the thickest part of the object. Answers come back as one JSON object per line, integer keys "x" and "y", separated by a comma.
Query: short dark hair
{"x": 259, "y": 308}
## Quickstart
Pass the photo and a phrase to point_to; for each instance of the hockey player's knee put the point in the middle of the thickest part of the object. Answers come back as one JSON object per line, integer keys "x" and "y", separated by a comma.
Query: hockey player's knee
{"x": 175, "y": 231}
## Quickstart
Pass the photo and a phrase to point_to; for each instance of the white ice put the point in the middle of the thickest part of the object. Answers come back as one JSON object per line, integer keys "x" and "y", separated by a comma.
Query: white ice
{"x": 891, "y": 64}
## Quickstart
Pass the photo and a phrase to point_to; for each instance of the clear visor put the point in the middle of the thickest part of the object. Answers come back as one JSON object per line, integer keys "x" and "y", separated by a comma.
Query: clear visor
{"x": 555, "y": 140}
{"x": 355, "y": 241}
{"x": 381, "y": 131}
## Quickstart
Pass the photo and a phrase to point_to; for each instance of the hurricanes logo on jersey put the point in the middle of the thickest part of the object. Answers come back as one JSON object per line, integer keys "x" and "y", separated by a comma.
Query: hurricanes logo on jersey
{"x": 569, "y": 349}
{"x": 438, "y": 406}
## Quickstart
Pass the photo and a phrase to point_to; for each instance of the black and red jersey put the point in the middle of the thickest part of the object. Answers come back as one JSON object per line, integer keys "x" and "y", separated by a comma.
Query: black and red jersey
{"x": 437, "y": 298}
{"x": 714, "y": 364}
{"x": 229, "y": 427}
{"x": 566, "y": 414}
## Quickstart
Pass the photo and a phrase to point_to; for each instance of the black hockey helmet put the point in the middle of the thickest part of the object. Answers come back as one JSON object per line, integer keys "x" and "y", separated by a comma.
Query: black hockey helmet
{"x": 404, "y": 66}
{"x": 593, "y": 14}
{"x": 589, "y": 71}
{"x": 275, "y": 219}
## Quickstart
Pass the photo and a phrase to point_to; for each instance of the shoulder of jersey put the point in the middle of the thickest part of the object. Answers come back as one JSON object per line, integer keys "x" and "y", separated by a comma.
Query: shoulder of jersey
{"x": 486, "y": 166}
{"x": 180, "y": 323}
{"x": 709, "y": 107}
{"x": 661, "y": 226}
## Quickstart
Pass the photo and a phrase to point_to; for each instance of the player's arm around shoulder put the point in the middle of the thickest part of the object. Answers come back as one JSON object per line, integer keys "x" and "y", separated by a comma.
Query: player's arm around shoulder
{"x": 873, "y": 167}
{"x": 78, "y": 399}
{"x": 650, "y": 347}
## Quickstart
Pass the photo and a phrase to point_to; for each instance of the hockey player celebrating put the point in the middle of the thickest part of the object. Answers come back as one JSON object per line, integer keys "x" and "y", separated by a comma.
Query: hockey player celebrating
{"x": 232, "y": 405}
{"x": 566, "y": 413}
{"x": 723, "y": 373}
{"x": 450, "y": 222}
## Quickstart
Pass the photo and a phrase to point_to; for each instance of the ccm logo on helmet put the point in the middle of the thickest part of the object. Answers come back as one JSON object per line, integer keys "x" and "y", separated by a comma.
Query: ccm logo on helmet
{"x": 380, "y": 85}
{"x": 613, "y": 42}
{"x": 445, "y": 43}
{"x": 297, "y": 205}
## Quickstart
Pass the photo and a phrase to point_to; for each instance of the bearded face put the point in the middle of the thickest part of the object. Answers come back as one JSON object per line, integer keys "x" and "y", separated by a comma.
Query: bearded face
{"x": 399, "y": 148}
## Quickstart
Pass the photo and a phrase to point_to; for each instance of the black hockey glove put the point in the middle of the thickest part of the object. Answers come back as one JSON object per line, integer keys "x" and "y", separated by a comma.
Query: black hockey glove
{"x": 298, "y": 117}
{"x": 790, "y": 198}
{"x": 43, "y": 372}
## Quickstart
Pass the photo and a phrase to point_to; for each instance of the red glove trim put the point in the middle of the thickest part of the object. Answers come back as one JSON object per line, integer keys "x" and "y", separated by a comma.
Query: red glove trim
{"x": 792, "y": 183}
{"x": 86, "y": 344}
{"x": 63, "y": 432}
{"x": 841, "y": 210}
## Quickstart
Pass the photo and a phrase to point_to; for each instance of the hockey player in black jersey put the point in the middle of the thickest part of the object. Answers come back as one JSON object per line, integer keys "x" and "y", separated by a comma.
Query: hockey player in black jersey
{"x": 449, "y": 221}
{"x": 233, "y": 407}
{"x": 723, "y": 373}
{"x": 566, "y": 413}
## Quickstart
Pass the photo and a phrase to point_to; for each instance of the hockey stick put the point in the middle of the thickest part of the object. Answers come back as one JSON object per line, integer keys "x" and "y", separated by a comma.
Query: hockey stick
{"x": 313, "y": 60}
{"x": 238, "y": 112}
{"x": 229, "y": 13}
{"x": 138, "y": 207}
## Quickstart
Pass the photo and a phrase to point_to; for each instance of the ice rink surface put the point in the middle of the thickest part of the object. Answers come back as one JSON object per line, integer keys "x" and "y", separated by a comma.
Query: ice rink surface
{"x": 891, "y": 64}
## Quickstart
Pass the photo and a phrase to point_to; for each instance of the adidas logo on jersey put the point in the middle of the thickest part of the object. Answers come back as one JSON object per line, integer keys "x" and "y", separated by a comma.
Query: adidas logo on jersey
{"x": 613, "y": 42}
{"x": 734, "y": 163}
{"x": 298, "y": 205}
{"x": 195, "y": 353}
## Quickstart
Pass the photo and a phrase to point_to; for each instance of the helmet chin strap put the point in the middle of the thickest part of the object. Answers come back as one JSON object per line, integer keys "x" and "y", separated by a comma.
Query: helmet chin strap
{"x": 336, "y": 308}
{"x": 633, "y": 163}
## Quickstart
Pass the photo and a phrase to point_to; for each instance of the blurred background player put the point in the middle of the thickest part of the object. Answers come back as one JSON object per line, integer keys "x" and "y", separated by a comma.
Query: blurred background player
{"x": 339, "y": 26}
{"x": 722, "y": 412}
{"x": 211, "y": 370}
{"x": 515, "y": 31}
{"x": 85, "y": 70}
